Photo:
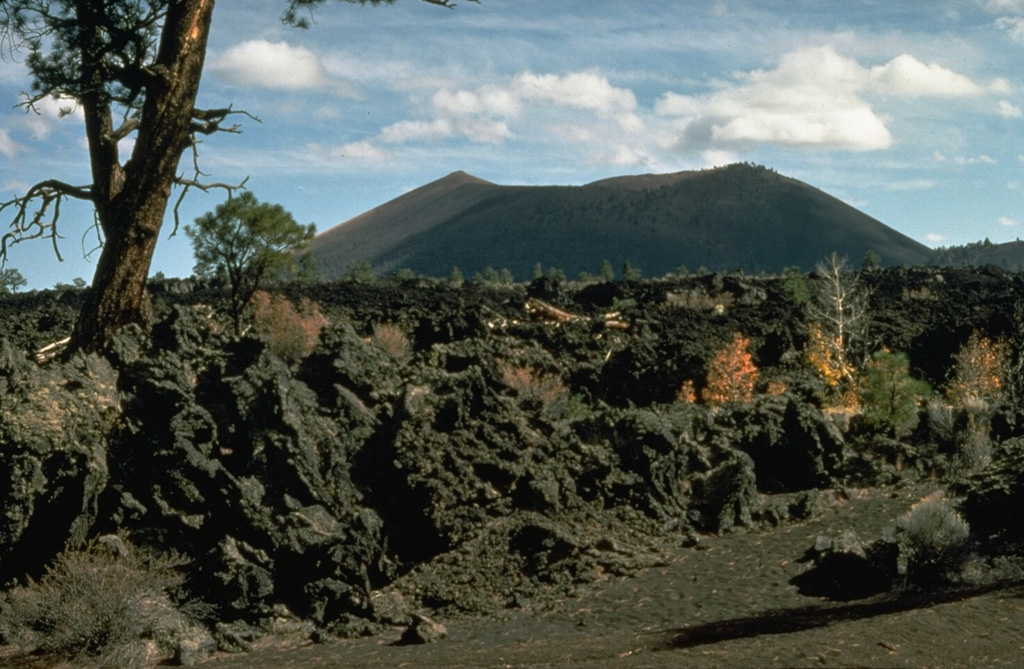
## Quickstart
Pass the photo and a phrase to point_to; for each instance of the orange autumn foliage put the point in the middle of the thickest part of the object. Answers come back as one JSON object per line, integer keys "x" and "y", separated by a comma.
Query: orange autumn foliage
{"x": 291, "y": 332}
{"x": 732, "y": 375}
{"x": 826, "y": 356}
{"x": 980, "y": 371}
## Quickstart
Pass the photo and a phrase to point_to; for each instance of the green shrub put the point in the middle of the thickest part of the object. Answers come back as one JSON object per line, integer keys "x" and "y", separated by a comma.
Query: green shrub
{"x": 890, "y": 396}
{"x": 100, "y": 604}
{"x": 932, "y": 539}
{"x": 794, "y": 284}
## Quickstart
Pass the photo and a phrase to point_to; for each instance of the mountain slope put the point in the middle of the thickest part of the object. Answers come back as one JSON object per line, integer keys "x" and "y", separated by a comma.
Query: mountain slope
{"x": 736, "y": 217}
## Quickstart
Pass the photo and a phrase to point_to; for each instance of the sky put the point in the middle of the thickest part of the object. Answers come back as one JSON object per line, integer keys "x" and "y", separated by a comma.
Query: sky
{"x": 911, "y": 111}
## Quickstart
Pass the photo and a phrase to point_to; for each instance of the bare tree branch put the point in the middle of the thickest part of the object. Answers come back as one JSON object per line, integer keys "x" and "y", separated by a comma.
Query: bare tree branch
{"x": 37, "y": 212}
{"x": 208, "y": 121}
{"x": 196, "y": 182}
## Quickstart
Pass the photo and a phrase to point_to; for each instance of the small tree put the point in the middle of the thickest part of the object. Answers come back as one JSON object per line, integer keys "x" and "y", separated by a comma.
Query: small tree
{"x": 732, "y": 374}
{"x": 795, "y": 285}
{"x": 11, "y": 280}
{"x": 246, "y": 241}
{"x": 838, "y": 313}
{"x": 982, "y": 366}
{"x": 489, "y": 275}
{"x": 557, "y": 275}
{"x": 872, "y": 261}
{"x": 361, "y": 272}
{"x": 630, "y": 273}
{"x": 607, "y": 272}
{"x": 890, "y": 395}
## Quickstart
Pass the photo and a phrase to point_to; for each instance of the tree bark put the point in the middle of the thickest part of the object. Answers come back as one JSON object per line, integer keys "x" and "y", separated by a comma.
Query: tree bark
{"x": 131, "y": 206}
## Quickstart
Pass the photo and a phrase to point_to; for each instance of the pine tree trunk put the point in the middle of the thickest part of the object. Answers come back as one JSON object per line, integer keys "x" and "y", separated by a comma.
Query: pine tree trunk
{"x": 132, "y": 210}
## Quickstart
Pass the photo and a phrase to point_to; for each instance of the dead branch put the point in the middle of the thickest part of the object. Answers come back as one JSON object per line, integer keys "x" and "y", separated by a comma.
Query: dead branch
{"x": 209, "y": 121}
{"x": 50, "y": 351}
{"x": 548, "y": 312}
{"x": 47, "y": 197}
{"x": 196, "y": 182}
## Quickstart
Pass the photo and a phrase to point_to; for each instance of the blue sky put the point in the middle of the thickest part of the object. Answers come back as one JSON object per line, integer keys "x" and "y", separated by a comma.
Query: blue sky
{"x": 911, "y": 111}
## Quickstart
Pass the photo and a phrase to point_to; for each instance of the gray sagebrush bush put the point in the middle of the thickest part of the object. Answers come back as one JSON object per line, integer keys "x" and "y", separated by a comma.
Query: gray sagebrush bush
{"x": 933, "y": 541}
{"x": 107, "y": 607}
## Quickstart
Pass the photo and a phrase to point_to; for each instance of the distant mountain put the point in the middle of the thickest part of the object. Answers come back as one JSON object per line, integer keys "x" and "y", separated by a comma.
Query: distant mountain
{"x": 737, "y": 217}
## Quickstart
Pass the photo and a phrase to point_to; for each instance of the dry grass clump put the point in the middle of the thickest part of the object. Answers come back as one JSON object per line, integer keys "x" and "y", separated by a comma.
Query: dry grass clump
{"x": 392, "y": 339}
{"x": 110, "y": 608}
{"x": 291, "y": 331}
{"x": 534, "y": 386}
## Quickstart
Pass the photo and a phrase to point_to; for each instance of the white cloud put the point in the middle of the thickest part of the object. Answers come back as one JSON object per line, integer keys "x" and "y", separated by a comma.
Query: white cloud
{"x": 910, "y": 185}
{"x": 58, "y": 108}
{"x": 363, "y": 151}
{"x": 1014, "y": 25}
{"x": 580, "y": 90}
{"x": 1007, "y": 222}
{"x": 486, "y": 114}
{"x": 814, "y": 97}
{"x": 626, "y": 156}
{"x": 717, "y": 158}
{"x": 414, "y": 131}
{"x": 935, "y": 237}
{"x": 41, "y": 119}
{"x": 907, "y": 76}
{"x": 809, "y": 99}
{"x": 8, "y": 147}
{"x": 1002, "y": 6}
{"x": 965, "y": 161}
{"x": 269, "y": 65}
{"x": 492, "y": 100}
{"x": 484, "y": 130}
{"x": 1008, "y": 110}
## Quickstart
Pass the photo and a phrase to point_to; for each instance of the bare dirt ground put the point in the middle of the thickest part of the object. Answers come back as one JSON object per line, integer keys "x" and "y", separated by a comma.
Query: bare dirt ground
{"x": 727, "y": 603}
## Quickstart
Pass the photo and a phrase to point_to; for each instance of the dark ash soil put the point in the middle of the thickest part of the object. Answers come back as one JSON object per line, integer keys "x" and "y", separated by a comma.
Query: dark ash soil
{"x": 726, "y": 603}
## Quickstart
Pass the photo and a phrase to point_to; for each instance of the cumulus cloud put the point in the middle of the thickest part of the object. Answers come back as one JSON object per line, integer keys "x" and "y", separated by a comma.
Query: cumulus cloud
{"x": 493, "y": 100}
{"x": 484, "y": 130}
{"x": 1007, "y": 222}
{"x": 1013, "y": 25}
{"x": 809, "y": 99}
{"x": 484, "y": 114}
{"x": 717, "y": 158}
{"x": 907, "y": 76}
{"x": 41, "y": 120}
{"x": 1008, "y": 110}
{"x": 814, "y": 97}
{"x": 59, "y": 107}
{"x": 626, "y": 156}
{"x": 935, "y": 237}
{"x": 581, "y": 90}
{"x": 414, "y": 131}
{"x": 269, "y": 65}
